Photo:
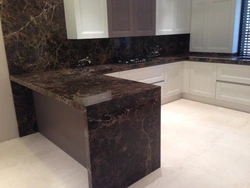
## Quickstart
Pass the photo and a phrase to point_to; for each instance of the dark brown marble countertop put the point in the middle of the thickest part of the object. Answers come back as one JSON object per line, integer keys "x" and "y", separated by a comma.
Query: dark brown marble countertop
{"x": 81, "y": 87}
{"x": 227, "y": 60}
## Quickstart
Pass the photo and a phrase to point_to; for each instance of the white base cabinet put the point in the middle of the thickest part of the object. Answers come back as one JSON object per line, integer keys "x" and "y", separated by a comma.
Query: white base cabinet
{"x": 173, "y": 79}
{"x": 148, "y": 75}
{"x": 203, "y": 79}
{"x": 235, "y": 93}
{"x": 186, "y": 77}
{"x": 168, "y": 77}
{"x": 234, "y": 73}
{"x": 224, "y": 85}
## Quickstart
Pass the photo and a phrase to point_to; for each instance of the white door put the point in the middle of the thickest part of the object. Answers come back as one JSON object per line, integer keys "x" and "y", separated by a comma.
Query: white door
{"x": 198, "y": 24}
{"x": 173, "y": 79}
{"x": 183, "y": 17}
{"x": 173, "y": 17}
{"x": 86, "y": 19}
{"x": 203, "y": 79}
{"x": 220, "y": 26}
{"x": 165, "y": 12}
{"x": 8, "y": 124}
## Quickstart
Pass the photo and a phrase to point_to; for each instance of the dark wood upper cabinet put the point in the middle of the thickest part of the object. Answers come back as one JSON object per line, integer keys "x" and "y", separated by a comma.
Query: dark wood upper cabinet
{"x": 144, "y": 17}
{"x": 131, "y": 17}
{"x": 120, "y": 18}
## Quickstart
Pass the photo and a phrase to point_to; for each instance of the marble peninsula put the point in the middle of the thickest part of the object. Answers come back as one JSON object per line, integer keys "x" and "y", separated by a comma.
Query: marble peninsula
{"x": 109, "y": 125}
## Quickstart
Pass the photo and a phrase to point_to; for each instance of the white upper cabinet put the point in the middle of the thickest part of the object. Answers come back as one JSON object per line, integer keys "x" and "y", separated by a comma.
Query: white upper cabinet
{"x": 215, "y": 26}
{"x": 172, "y": 16}
{"x": 183, "y": 16}
{"x": 164, "y": 17}
{"x": 222, "y": 22}
{"x": 86, "y": 19}
{"x": 198, "y": 20}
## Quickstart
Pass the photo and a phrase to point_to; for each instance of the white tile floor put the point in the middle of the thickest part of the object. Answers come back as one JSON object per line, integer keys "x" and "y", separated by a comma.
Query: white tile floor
{"x": 203, "y": 146}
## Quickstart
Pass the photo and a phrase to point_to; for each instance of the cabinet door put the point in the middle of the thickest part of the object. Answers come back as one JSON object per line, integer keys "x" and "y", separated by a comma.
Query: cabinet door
{"x": 197, "y": 41}
{"x": 165, "y": 11}
{"x": 144, "y": 16}
{"x": 173, "y": 78}
{"x": 235, "y": 93}
{"x": 220, "y": 26}
{"x": 120, "y": 18}
{"x": 186, "y": 77}
{"x": 234, "y": 73}
{"x": 183, "y": 9}
{"x": 149, "y": 75}
{"x": 203, "y": 79}
{"x": 86, "y": 19}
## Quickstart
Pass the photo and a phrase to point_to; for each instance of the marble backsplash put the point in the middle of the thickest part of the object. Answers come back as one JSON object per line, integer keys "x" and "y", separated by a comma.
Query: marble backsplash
{"x": 36, "y": 41}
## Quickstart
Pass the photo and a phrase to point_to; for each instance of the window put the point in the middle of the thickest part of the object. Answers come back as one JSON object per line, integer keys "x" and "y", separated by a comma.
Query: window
{"x": 245, "y": 29}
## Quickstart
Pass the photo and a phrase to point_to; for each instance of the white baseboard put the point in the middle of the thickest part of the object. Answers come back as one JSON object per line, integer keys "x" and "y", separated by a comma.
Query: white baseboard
{"x": 171, "y": 98}
{"x": 217, "y": 102}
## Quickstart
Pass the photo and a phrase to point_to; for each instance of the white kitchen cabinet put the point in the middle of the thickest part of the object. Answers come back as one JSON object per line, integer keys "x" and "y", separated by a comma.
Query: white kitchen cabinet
{"x": 173, "y": 79}
{"x": 183, "y": 16}
{"x": 234, "y": 93}
{"x": 223, "y": 26}
{"x": 198, "y": 20}
{"x": 186, "y": 77}
{"x": 234, "y": 73}
{"x": 149, "y": 75}
{"x": 86, "y": 19}
{"x": 172, "y": 16}
{"x": 215, "y": 25}
{"x": 203, "y": 79}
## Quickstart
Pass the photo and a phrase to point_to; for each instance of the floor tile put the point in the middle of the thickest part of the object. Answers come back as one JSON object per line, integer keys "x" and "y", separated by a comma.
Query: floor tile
{"x": 202, "y": 146}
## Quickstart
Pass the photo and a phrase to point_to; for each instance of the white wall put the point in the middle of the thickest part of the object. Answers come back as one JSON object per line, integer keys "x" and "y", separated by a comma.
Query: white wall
{"x": 8, "y": 123}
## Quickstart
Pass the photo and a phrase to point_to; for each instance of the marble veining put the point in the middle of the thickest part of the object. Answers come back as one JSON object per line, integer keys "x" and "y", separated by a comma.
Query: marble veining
{"x": 124, "y": 139}
{"x": 71, "y": 86}
{"x": 35, "y": 39}
{"x": 122, "y": 131}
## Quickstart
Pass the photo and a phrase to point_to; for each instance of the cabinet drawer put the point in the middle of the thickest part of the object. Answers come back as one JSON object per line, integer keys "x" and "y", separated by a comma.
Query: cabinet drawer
{"x": 234, "y": 73}
{"x": 234, "y": 93}
{"x": 203, "y": 79}
{"x": 145, "y": 75}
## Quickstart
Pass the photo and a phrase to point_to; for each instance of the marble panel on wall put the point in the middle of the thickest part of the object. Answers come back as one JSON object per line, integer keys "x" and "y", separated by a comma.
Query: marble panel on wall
{"x": 35, "y": 40}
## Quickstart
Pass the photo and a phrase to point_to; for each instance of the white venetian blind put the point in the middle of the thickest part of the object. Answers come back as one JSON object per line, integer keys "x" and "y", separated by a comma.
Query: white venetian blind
{"x": 245, "y": 29}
